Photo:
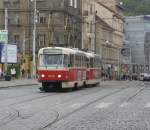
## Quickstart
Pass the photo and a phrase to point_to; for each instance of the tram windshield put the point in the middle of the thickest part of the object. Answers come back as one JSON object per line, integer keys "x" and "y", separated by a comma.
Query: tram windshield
{"x": 53, "y": 60}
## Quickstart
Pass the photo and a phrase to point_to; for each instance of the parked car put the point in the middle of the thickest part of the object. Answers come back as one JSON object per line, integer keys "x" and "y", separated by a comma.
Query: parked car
{"x": 146, "y": 77}
{"x": 141, "y": 76}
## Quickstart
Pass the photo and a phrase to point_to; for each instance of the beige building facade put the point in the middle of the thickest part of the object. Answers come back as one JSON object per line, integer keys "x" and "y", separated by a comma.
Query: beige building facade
{"x": 88, "y": 25}
{"x": 109, "y": 37}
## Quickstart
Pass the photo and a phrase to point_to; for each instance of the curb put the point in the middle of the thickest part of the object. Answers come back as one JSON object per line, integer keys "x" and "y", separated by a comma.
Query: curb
{"x": 21, "y": 85}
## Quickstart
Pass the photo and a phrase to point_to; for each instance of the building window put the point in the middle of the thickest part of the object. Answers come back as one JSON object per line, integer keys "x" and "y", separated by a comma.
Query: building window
{"x": 6, "y": 3}
{"x": 42, "y": 18}
{"x": 91, "y": 27}
{"x": 70, "y": 2}
{"x": 16, "y": 41}
{"x": 16, "y": 3}
{"x": 41, "y": 3}
{"x": 16, "y": 38}
{"x": 91, "y": 9}
{"x": 14, "y": 19}
{"x": 75, "y": 3}
{"x": 41, "y": 40}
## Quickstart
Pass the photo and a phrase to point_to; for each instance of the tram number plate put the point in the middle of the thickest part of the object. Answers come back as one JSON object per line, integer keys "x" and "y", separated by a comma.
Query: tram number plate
{"x": 51, "y": 76}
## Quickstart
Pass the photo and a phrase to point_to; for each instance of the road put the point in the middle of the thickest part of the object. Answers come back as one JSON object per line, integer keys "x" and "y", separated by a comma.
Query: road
{"x": 123, "y": 106}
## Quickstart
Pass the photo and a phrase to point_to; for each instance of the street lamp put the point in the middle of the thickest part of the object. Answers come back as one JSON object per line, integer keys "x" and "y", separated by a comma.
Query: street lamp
{"x": 34, "y": 40}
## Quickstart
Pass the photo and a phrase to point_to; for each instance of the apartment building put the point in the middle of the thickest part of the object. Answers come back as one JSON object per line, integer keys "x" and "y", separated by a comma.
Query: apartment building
{"x": 109, "y": 35}
{"x": 58, "y": 23}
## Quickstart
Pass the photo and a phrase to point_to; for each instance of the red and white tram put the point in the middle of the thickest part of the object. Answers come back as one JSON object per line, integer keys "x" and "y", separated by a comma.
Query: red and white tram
{"x": 67, "y": 68}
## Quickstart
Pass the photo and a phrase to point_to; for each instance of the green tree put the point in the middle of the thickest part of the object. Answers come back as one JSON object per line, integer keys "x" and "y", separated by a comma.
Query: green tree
{"x": 136, "y": 7}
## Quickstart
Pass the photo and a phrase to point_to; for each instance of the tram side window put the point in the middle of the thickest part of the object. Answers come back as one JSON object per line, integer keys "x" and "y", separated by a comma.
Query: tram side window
{"x": 87, "y": 62}
{"x": 80, "y": 61}
{"x": 65, "y": 61}
{"x": 96, "y": 62}
{"x": 72, "y": 60}
{"x": 84, "y": 61}
{"x": 76, "y": 60}
{"x": 91, "y": 62}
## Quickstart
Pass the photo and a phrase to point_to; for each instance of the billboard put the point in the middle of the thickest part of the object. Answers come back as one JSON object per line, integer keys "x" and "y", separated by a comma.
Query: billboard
{"x": 11, "y": 53}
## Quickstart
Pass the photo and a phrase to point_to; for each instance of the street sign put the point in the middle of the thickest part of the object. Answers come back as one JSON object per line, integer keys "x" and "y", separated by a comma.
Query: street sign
{"x": 126, "y": 52}
{"x": 3, "y": 36}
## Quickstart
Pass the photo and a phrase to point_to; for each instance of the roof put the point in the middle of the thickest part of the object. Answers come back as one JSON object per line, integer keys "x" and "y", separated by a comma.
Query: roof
{"x": 64, "y": 50}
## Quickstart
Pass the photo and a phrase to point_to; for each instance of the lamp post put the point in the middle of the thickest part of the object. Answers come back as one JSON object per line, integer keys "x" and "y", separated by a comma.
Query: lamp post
{"x": 34, "y": 40}
{"x": 6, "y": 29}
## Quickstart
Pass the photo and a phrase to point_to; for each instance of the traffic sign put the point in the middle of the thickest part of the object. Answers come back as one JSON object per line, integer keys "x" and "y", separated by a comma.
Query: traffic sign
{"x": 3, "y": 36}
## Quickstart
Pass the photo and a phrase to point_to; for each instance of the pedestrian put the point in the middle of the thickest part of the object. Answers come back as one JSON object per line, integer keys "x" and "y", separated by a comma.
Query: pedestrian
{"x": 23, "y": 72}
{"x": 28, "y": 74}
{"x": 13, "y": 72}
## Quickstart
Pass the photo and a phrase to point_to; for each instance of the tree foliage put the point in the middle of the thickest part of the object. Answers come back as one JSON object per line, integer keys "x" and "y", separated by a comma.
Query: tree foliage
{"x": 136, "y": 7}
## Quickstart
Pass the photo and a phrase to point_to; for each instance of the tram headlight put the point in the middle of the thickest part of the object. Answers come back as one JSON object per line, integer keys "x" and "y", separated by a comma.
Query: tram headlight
{"x": 42, "y": 75}
{"x": 59, "y": 76}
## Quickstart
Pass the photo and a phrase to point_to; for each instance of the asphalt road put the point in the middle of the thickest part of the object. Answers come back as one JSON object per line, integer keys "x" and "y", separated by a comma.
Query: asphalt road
{"x": 110, "y": 107}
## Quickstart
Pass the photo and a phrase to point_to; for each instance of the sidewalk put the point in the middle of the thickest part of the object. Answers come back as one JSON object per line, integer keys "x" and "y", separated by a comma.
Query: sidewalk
{"x": 18, "y": 82}
{"x": 31, "y": 82}
{"x": 118, "y": 83}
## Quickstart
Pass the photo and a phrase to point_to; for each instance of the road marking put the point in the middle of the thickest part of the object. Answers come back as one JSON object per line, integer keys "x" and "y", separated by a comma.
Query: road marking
{"x": 103, "y": 105}
{"x": 147, "y": 105}
{"x": 77, "y": 105}
{"x": 124, "y": 104}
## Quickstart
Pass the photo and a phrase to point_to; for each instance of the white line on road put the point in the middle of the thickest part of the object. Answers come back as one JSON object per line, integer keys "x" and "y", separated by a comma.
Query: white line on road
{"x": 147, "y": 105}
{"x": 103, "y": 105}
{"x": 77, "y": 105}
{"x": 124, "y": 104}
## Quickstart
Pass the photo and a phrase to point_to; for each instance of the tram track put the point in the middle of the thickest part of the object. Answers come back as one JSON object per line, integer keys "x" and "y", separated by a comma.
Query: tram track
{"x": 137, "y": 92}
{"x": 75, "y": 97}
{"x": 44, "y": 96}
{"x": 8, "y": 119}
{"x": 10, "y": 115}
{"x": 54, "y": 94}
{"x": 59, "y": 117}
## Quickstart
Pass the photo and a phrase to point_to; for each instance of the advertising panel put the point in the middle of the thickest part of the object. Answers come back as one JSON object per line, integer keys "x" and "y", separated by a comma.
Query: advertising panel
{"x": 3, "y": 36}
{"x": 11, "y": 53}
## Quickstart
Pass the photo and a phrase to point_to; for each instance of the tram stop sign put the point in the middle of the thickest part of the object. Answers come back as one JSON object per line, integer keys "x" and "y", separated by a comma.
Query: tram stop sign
{"x": 3, "y": 36}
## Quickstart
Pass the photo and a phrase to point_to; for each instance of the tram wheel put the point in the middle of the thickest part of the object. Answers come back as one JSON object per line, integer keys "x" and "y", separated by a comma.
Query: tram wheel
{"x": 75, "y": 86}
{"x": 45, "y": 87}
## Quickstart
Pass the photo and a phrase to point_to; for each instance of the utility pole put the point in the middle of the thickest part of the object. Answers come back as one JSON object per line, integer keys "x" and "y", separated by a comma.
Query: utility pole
{"x": 6, "y": 29}
{"x": 23, "y": 46}
{"x": 34, "y": 40}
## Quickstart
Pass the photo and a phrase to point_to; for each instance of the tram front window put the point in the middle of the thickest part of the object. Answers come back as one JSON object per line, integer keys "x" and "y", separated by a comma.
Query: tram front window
{"x": 53, "y": 60}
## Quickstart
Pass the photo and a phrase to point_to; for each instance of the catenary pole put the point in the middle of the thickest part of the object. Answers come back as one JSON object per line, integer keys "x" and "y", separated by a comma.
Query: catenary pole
{"x": 34, "y": 40}
{"x": 6, "y": 29}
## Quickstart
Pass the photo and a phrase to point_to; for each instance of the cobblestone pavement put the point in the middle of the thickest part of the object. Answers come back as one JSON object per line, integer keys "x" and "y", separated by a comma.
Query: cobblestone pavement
{"x": 111, "y": 106}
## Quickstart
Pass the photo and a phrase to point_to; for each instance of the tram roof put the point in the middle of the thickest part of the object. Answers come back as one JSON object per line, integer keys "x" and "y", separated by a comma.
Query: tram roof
{"x": 89, "y": 54}
{"x": 64, "y": 50}
{"x": 69, "y": 51}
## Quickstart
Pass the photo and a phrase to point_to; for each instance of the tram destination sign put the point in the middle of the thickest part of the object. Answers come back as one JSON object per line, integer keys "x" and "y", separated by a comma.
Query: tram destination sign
{"x": 3, "y": 36}
{"x": 52, "y": 51}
